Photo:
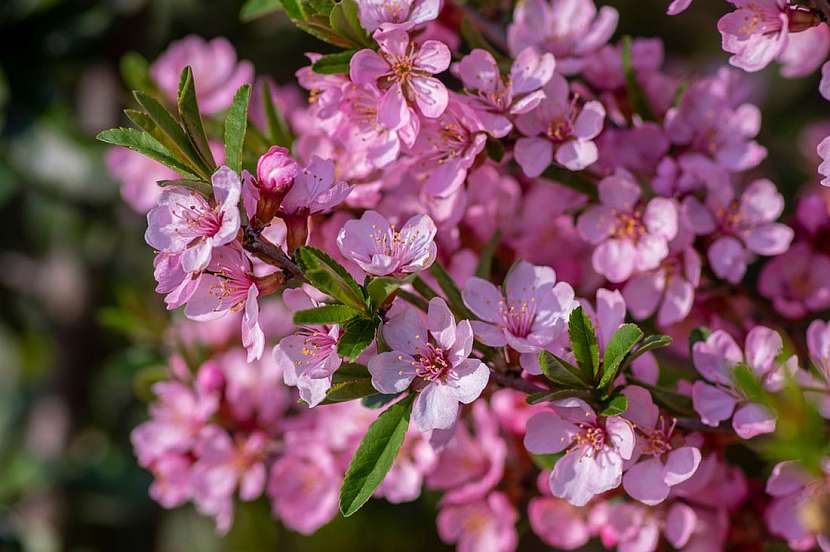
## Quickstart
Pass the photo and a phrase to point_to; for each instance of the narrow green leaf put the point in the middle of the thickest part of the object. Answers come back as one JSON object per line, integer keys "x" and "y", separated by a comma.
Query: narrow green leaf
{"x": 236, "y": 123}
{"x": 319, "y": 27}
{"x": 616, "y": 406}
{"x": 670, "y": 400}
{"x": 378, "y": 400}
{"x": 584, "y": 343}
{"x": 358, "y": 334}
{"x": 350, "y": 382}
{"x": 192, "y": 119}
{"x": 278, "y": 131}
{"x": 618, "y": 347}
{"x": 546, "y": 461}
{"x": 331, "y": 64}
{"x": 135, "y": 71}
{"x": 327, "y": 314}
{"x": 195, "y": 185}
{"x": 636, "y": 94}
{"x": 380, "y": 288}
{"x": 345, "y": 21}
{"x": 547, "y": 396}
{"x": 577, "y": 181}
{"x": 747, "y": 383}
{"x": 451, "y": 290}
{"x": 561, "y": 371}
{"x": 294, "y": 9}
{"x": 252, "y": 9}
{"x": 322, "y": 7}
{"x": 485, "y": 260}
{"x": 144, "y": 144}
{"x": 698, "y": 334}
{"x": 328, "y": 276}
{"x": 650, "y": 343}
{"x": 375, "y": 456}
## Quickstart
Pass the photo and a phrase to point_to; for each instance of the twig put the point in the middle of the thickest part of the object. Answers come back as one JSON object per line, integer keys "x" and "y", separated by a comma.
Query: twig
{"x": 256, "y": 244}
{"x": 515, "y": 383}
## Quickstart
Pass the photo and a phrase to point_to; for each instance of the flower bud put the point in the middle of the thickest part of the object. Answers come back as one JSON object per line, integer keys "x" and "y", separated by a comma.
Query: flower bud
{"x": 276, "y": 170}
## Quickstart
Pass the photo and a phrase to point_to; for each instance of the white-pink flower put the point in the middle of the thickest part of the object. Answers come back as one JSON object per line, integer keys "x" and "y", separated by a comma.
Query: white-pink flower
{"x": 444, "y": 374}
{"x": 595, "y": 449}
{"x": 315, "y": 189}
{"x": 823, "y": 151}
{"x": 396, "y": 14}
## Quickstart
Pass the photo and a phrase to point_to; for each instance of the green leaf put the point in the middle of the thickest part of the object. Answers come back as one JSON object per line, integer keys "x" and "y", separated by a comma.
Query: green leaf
{"x": 451, "y": 290}
{"x": 319, "y": 28}
{"x": 358, "y": 334}
{"x": 561, "y": 371}
{"x": 380, "y": 288}
{"x": 144, "y": 380}
{"x": 670, "y": 400}
{"x": 699, "y": 334}
{"x": 144, "y": 144}
{"x": 236, "y": 123}
{"x": 328, "y": 276}
{"x": 577, "y": 181}
{"x": 618, "y": 347}
{"x": 650, "y": 343}
{"x": 485, "y": 260}
{"x": 198, "y": 186}
{"x": 278, "y": 131}
{"x": 345, "y": 21}
{"x": 332, "y": 64}
{"x": 322, "y": 7}
{"x": 253, "y": 9}
{"x": 378, "y": 400}
{"x": 747, "y": 383}
{"x": 546, "y": 461}
{"x": 547, "y": 396}
{"x": 350, "y": 382}
{"x": 616, "y": 406}
{"x": 636, "y": 94}
{"x": 494, "y": 149}
{"x": 375, "y": 456}
{"x": 192, "y": 119}
{"x": 584, "y": 343}
{"x": 135, "y": 71}
{"x": 327, "y": 314}
{"x": 294, "y": 9}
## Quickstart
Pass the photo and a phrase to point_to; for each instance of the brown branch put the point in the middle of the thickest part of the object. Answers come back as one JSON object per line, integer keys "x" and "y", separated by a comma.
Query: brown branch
{"x": 515, "y": 383}
{"x": 259, "y": 246}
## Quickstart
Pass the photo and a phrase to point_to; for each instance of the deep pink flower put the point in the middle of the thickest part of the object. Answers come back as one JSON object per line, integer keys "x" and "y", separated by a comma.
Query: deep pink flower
{"x": 558, "y": 129}
{"x": 595, "y": 449}
{"x": 403, "y": 71}
{"x": 315, "y": 189}
{"x": 309, "y": 357}
{"x": 486, "y": 524}
{"x": 630, "y": 235}
{"x": 396, "y": 14}
{"x": 527, "y": 315}
{"x": 823, "y": 151}
{"x": 498, "y": 98}
{"x": 445, "y": 375}
{"x": 792, "y": 488}
{"x": 276, "y": 170}
{"x": 216, "y": 71}
{"x": 717, "y": 396}
{"x": 796, "y": 281}
{"x": 755, "y": 33}
{"x": 661, "y": 459}
{"x": 743, "y": 225}
{"x": 379, "y": 248}
{"x": 571, "y": 30}
{"x": 254, "y": 392}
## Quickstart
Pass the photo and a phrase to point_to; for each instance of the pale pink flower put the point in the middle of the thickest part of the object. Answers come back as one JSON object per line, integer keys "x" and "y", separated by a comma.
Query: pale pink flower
{"x": 805, "y": 51}
{"x": 755, "y": 33}
{"x": 171, "y": 486}
{"x": 486, "y": 524}
{"x": 185, "y": 222}
{"x": 396, "y": 14}
{"x": 309, "y": 357}
{"x": 743, "y": 224}
{"x": 228, "y": 285}
{"x": 414, "y": 461}
{"x": 315, "y": 189}
{"x": 558, "y": 129}
{"x": 661, "y": 459}
{"x": 595, "y": 449}
{"x": 325, "y": 93}
{"x": 138, "y": 176}
{"x": 496, "y": 98}
{"x": 254, "y": 391}
{"x": 823, "y": 151}
{"x": 571, "y": 30}
{"x": 304, "y": 487}
{"x": 445, "y": 375}
{"x": 173, "y": 282}
{"x": 555, "y": 521}
{"x": 528, "y": 314}
{"x": 717, "y": 396}
{"x": 403, "y": 71}
{"x": 216, "y": 71}
{"x": 792, "y": 489}
{"x": 276, "y": 170}
{"x": 379, "y": 248}
{"x": 796, "y": 281}
{"x": 630, "y": 235}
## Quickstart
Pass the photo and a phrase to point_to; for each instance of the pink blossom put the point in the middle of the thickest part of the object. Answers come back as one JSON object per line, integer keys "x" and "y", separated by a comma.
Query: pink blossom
{"x": 403, "y": 72}
{"x": 823, "y": 151}
{"x": 304, "y": 487}
{"x": 216, "y": 71}
{"x": 678, "y": 6}
{"x": 174, "y": 283}
{"x": 185, "y": 222}
{"x": 254, "y": 391}
{"x": 445, "y": 375}
{"x": 414, "y": 461}
{"x": 446, "y": 148}
{"x": 470, "y": 465}
{"x": 571, "y": 30}
{"x": 379, "y": 248}
{"x": 795, "y": 282}
{"x": 824, "y": 85}
{"x": 792, "y": 489}
{"x": 595, "y": 448}
{"x": 661, "y": 459}
{"x": 396, "y": 14}
{"x": 223, "y": 466}
{"x": 630, "y": 236}
{"x": 627, "y": 526}
{"x": 755, "y": 33}
{"x": 498, "y": 98}
{"x": 493, "y": 200}
{"x": 309, "y": 357}
{"x": 171, "y": 485}
{"x": 527, "y": 315}
{"x": 315, "y": 189}
{"x": 717, "y": 396}
{"x": 138, "y": 176}
{"x": 229, "y": 285}
{"x": 744, "y": 225}
{"x": 558, "y": 129}
{"x": 486, "y": 524}
{"x": 325, "y": 92}
{"x": 805, "y": 51}
{"x": 276, "y": 170}
{"x": 556, "y": 522}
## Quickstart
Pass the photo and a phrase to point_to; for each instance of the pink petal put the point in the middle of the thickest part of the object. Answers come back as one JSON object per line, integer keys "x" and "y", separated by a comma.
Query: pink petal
{"x": 469, "y": 380}
{"x": 433, "y": 57}
{"x": 430, "y": 95}
{"x": 436, "y": 407}
{"x": 728, "y": 259}
{"x": 483, "y": 298}
{"x": 644, "y": 482}
{"x": 392, "y": 372}
{"x": 751, "y": 420}
{"x": 367, "y": 67}
{"x": 712, "y": 404}
{"x": 406, "y": 332}
{"x": 534, "y": 155}
{"x": 577, "y": 154}
{"x": 547, "y": 433}
{"x": 441, "y": 323}
{"x": 681, "y": 464}
{"x": 681, "y": 522}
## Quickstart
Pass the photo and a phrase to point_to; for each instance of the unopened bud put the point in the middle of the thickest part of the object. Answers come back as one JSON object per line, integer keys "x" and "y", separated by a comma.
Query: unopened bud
{"x": 276, "y": 170}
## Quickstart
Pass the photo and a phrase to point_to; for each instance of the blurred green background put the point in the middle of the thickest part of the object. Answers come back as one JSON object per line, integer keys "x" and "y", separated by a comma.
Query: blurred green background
{"x": 79, "y": 323}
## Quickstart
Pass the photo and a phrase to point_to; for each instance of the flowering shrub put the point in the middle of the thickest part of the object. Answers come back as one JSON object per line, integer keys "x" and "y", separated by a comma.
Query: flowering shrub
{"x": 459, "y": 257}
